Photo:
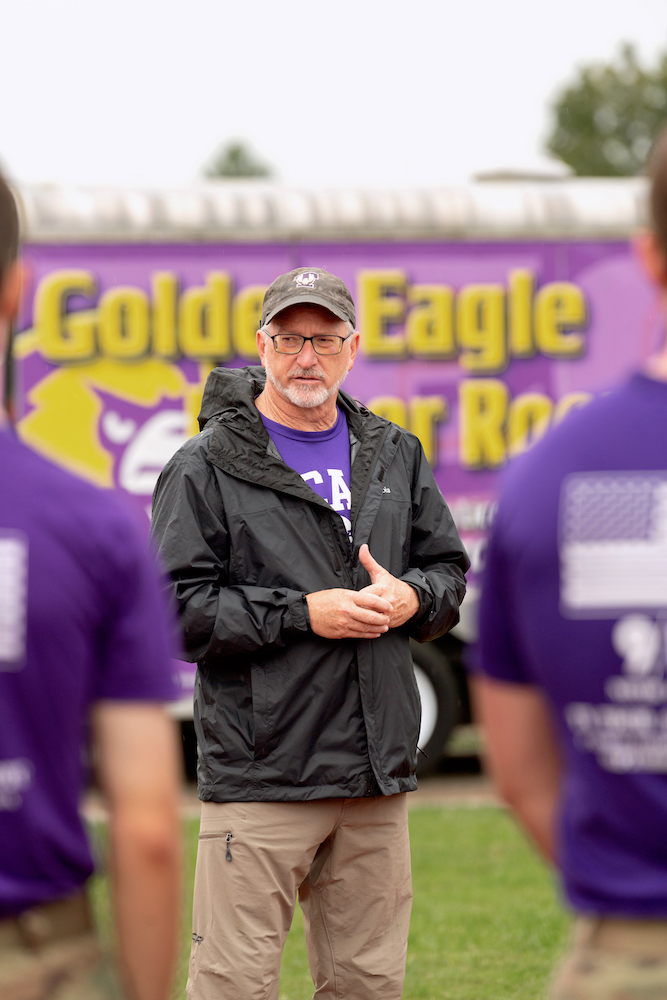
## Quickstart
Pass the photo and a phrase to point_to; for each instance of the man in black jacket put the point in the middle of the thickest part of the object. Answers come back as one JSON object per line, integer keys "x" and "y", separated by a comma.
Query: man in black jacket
{"x": 306, "y": 707}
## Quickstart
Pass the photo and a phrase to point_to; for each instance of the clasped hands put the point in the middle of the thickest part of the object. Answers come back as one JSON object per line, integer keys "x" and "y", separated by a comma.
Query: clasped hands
{"x": 363, "y": 614}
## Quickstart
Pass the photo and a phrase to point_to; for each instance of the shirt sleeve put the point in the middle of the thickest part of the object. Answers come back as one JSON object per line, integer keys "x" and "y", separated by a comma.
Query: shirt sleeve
{"x": 498, "y": 650}
{"x": 137, "y": 645}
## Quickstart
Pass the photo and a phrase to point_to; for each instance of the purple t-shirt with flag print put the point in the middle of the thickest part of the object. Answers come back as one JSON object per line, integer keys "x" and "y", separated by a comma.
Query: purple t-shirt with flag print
{"x": 322, "y": 459}
{"x": 575, "y": 603}
{"x": 82, "y": 619}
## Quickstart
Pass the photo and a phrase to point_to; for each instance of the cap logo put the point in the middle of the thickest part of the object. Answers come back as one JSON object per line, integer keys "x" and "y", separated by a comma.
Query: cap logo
{"x": 307, "y": 279}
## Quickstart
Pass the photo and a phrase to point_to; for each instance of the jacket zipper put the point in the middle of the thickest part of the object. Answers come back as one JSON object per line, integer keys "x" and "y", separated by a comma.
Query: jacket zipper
{"x": 369, "y": 476}
{"x": 338, "y": 564}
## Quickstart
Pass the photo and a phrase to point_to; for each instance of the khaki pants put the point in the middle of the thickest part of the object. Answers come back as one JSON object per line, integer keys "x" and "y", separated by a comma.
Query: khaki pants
{"x": 52, "y": 953}
{"x": 349, "y": 862}
{"x": 613, "y": 959}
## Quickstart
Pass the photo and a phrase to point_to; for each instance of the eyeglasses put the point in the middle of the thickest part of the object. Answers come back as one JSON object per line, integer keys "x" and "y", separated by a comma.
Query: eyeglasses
{"x": 292, "y": 343}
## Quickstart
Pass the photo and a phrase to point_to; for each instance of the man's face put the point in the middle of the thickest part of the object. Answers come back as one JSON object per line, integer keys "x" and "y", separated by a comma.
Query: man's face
{"x": 307, "y": 379}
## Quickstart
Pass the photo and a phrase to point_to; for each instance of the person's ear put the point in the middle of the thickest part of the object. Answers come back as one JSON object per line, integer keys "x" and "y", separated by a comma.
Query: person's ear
{"x": 652, "y": 257}
{"x": 261, "y": 347}
{"x": 10, "y": 292}
{"x": 354, "y": 347}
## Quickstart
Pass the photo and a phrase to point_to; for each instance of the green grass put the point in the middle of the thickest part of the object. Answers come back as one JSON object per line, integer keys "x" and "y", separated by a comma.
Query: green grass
{"x": 486, "y": 924}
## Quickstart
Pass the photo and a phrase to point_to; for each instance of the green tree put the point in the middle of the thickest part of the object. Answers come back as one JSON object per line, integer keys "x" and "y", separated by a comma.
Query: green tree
{"x": 606, "y": 120}
{"x": 236, "y": 160}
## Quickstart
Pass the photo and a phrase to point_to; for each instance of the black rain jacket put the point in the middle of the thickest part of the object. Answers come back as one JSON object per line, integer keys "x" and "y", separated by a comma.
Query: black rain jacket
{"x": 281, "y": 713}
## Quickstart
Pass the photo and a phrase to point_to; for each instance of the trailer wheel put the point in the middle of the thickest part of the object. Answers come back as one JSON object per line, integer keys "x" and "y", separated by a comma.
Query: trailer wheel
{"x": 440, "y": 702}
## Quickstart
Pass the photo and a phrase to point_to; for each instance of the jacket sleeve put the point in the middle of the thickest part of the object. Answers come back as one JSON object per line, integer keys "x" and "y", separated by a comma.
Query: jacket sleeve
{"x": 438, "y": 561}
{"x": 189, "y": 527}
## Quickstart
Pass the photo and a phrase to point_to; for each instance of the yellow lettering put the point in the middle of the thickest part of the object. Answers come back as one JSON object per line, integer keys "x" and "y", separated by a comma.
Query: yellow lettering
{"x": 204, "y": 319}
{"x": 482, "y": 412}
{"x": 520, "y": 310}
{"x": 247, "y": 316}
{"x": 481, "y": 328}
{"x": 570, "y": 401}
{"x": 62, "y": 337}
{"x": 430, "y": 324}
{"x": 426, "y": 412}
{"x": 381, "y": 303}
{"x": 124, "y": 323}
{"x": 560, "y": 307}
{"x": 391, "y": 408}
{"x": 165, "y": 297}
{"x": 529, "y": 417}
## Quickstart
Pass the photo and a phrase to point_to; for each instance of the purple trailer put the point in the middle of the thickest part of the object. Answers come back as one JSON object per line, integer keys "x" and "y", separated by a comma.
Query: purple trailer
{"x": 486, "y": 313}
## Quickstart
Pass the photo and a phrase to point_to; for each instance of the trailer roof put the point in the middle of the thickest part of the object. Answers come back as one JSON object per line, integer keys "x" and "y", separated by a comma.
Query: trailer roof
{"x": 242, "y": 211}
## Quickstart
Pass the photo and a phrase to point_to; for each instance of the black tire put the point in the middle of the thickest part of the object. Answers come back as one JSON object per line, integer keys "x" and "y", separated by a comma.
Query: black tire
{"x": 436, "y": 682}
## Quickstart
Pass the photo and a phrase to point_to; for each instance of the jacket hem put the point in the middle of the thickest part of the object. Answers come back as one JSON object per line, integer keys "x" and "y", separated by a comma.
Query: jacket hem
{"x": 285, "y": 793}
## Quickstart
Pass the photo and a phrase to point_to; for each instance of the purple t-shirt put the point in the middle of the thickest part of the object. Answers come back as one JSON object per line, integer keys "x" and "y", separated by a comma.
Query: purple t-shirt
{"x": 82, "y": 618}
{"x": 322, "y": 459}
{"x": 575, "y": 601}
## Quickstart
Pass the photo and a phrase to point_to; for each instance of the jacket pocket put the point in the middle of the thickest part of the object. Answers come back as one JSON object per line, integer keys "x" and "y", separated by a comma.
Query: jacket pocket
{"x": 260, "y": 711}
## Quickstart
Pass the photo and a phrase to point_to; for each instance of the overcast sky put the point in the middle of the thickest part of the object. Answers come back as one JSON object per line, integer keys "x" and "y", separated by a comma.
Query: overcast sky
{"x": 343, "y": 93}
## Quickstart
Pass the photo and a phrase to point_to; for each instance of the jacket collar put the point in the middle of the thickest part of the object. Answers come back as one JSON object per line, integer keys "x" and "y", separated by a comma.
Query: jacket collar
{"x": 235, "y": 389}
{"x": 241, "y": 446}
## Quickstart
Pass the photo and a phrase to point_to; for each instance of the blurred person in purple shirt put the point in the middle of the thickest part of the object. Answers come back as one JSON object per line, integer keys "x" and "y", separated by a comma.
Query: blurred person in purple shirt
{"x": 573, "y": 658}
{"x": 84, "y": 642}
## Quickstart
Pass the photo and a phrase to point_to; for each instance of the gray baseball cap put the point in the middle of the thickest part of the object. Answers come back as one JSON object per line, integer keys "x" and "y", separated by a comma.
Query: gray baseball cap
{"x": 308, "y": 284}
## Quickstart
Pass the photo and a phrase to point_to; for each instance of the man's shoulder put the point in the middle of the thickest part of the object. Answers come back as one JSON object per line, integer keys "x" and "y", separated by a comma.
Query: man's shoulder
{"x": 195, "y": 450}
{"x": 44, "y": 483}
{"x": 607, "y": 434}
{"x": 408, "y": 446}
{"x": 358, "y": 415}
{"x": 586, "y": 435}
{"x": 89, "y": 521}
{"x": 189, "y": 464}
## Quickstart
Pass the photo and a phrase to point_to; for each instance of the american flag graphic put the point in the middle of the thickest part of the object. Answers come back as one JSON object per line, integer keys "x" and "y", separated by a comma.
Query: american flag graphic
{"x": 13, "y": 598}
{"x": 613, "y": 543}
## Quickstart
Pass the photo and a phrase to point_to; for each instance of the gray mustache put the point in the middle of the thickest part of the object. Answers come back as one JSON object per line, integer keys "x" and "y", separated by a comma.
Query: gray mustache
{"x": 308, "y": 373}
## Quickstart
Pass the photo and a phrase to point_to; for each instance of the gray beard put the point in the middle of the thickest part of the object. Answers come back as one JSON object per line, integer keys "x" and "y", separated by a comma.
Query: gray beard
{"x": 305, "y": 396}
